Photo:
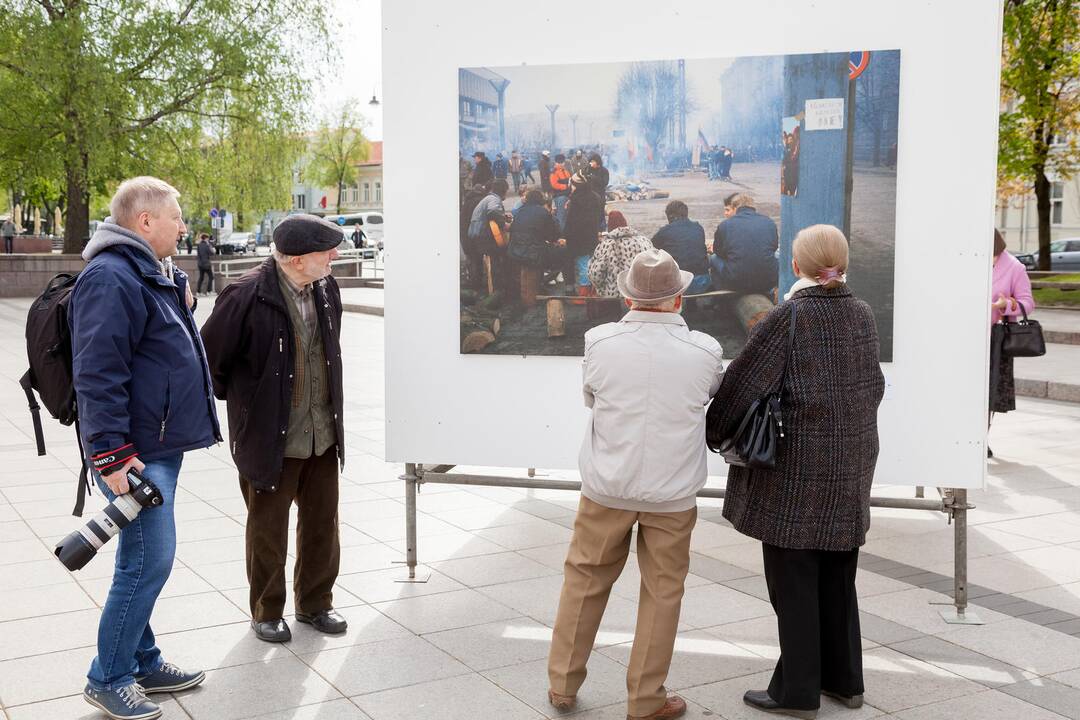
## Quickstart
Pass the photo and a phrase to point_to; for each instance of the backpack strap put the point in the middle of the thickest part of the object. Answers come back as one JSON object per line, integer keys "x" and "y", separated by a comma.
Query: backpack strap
{"x": 84, "y": 474}
{"x": 35, "y": 410}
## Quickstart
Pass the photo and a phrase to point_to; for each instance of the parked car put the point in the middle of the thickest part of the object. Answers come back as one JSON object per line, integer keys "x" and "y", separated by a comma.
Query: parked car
{"x": 239, "y": 243}
{"x": 348, "y": 249}
{"x": 370, "y": 220}
{"x": 1064, "y": 255}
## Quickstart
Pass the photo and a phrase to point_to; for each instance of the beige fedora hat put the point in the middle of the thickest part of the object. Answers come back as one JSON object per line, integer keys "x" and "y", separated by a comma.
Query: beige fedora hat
{"x": 653, "y": 276}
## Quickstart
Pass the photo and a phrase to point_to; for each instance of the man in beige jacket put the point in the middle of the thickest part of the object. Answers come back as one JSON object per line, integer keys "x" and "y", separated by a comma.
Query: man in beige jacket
{"x": 648, "y": 379}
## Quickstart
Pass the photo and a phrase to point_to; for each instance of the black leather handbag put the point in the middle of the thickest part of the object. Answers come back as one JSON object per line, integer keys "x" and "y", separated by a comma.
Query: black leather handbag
{"x": 756, "y": 441}
{"x": 1023, "y": 338}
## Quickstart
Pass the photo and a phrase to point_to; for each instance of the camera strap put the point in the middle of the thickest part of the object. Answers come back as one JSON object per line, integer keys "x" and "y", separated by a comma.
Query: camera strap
{"x": 84, "y": 474}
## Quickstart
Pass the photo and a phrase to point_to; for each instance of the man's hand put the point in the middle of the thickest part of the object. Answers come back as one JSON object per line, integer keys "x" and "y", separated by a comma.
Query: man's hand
{"x": 117, "y": 481}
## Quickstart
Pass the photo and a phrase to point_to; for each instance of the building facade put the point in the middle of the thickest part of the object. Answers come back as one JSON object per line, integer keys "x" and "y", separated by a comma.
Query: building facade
{"x": 1018, "y": 219}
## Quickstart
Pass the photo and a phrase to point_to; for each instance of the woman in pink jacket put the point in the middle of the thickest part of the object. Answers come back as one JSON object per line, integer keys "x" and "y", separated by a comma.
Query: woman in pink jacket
{"x": 1011, "y": 289}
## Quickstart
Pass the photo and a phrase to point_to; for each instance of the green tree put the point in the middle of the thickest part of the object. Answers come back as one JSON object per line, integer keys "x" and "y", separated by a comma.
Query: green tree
{"x": 1040, "y": 121}
{"x": 338, "y": 147}
{"x": 109, "y": 89}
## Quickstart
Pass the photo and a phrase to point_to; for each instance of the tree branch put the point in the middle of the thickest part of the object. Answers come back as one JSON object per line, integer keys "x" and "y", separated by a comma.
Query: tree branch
{"x": 179, "y": 104}
{"x": 154, "y": 54}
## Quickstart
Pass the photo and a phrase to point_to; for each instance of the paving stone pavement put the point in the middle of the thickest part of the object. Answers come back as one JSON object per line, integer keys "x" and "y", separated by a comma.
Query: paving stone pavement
{"x": 471, "y": 642}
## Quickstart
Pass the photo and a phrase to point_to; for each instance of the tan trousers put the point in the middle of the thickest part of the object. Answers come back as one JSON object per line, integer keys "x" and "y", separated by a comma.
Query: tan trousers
{"x": 597, "y": 555}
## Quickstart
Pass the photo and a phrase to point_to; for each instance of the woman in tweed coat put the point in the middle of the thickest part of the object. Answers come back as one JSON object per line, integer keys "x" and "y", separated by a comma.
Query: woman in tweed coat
{"x": 812, "y": 511}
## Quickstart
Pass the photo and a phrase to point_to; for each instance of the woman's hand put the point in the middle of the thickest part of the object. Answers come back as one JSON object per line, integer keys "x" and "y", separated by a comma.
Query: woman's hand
{"x": 1000, "y": 304}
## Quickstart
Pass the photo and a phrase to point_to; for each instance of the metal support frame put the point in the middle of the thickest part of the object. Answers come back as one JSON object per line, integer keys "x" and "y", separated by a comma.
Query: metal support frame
{"x": 952, "y": 502}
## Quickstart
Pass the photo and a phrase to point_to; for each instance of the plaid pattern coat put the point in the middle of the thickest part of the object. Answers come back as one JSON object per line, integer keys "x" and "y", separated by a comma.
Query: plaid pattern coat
{"x": 818, "y": 496}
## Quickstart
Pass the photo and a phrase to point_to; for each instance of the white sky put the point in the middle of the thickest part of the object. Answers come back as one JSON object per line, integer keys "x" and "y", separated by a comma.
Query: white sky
{"x": 355, "y": 30}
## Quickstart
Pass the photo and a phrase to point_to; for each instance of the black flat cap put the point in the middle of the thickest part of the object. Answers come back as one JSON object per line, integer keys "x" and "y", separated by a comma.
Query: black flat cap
{"x": 302, "y": 234}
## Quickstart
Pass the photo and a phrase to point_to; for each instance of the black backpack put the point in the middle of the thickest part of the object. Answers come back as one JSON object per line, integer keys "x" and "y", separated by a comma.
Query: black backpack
{"x": 48, "y": 348}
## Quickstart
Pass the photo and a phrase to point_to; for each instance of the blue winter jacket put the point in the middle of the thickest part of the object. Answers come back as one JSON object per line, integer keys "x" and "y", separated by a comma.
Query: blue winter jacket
{"x": 139, "y": 367}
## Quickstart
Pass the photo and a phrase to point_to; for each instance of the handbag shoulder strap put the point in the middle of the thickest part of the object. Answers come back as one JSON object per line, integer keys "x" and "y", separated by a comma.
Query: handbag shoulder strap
{"x": 790, "y": 345}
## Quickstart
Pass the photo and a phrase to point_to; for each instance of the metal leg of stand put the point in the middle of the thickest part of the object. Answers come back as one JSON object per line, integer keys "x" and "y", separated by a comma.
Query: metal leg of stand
{"x": 959, "y": 615}
{"x": 412, "y": 481}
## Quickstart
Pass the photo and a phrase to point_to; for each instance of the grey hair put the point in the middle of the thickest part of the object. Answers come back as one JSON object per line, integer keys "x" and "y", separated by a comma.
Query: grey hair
{"x": 281, "y": 257}
{"x": 137, "y": 195}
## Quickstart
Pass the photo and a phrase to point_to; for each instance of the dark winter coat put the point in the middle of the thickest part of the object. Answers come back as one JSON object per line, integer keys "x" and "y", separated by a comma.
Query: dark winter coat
{"x": 532, "y": 231}
{"x": 500, "y": 168}
{"x": 249, "y": 342}
{"x": 684, "y": 240}
{"x": 818, "y": 496}
{"x": 599, "y": 178}
{"x": 204, "y": 250}
{"x": 545, "y": 173}
{"x": 482, "y": 174}
{"x": 139, "y": 367}
{"x": 582, "y": 227}
{"x": 747, "y": 243}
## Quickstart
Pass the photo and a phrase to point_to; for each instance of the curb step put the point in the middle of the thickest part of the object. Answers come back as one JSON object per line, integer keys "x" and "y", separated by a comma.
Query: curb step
{"x": 363, "y": 309}
{"x": 1048, "y": 390}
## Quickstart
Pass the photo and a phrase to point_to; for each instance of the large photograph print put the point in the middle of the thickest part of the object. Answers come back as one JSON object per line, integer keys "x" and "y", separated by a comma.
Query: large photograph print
{"x": 566, "y": 172}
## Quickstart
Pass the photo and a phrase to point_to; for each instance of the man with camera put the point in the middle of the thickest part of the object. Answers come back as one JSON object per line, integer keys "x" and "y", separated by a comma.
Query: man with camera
{"x": 273, "y": 341}
{"x": 144, "y": 398}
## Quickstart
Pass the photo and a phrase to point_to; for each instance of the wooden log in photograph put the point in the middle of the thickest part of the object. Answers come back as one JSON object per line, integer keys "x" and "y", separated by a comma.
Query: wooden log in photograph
{"x": 556, "y": 318}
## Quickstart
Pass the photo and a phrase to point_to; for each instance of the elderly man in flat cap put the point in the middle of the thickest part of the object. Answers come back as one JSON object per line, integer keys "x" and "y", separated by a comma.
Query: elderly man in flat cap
{"x": 273, "y": 344}
{"x": 647, "y": 379}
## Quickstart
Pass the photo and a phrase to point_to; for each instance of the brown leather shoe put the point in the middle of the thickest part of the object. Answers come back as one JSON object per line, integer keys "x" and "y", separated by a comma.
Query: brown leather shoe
{"x": 673, "y": 708}
{"x": 562, "y": 703}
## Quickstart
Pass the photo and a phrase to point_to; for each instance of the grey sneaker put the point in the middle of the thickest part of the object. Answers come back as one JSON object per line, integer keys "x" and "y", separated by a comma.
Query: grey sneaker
{"x": 169, "y": 678}
{"x": 126, "y": 703}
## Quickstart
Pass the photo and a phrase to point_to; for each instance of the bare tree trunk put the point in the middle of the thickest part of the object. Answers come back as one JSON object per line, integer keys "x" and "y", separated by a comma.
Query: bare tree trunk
{"x": 77, "y": 224}
{"x": 1042, "y": 207}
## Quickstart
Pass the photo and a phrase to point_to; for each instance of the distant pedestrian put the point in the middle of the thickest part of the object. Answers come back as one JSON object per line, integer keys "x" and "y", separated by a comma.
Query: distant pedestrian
{"x": 500, "y": 167}
{"x": 599, "y": 177}
{"x": 515, "y": 169}
{"x": 7, "y": 230}
{"x": 545, "y": 171}
{"x": 187, "y": 241}
{"x": 1010, "y": 297}
{"x": 559, "y": 185}
{"x": 358, "y": 236}
{"x": 482, "y": 173}
{"x": 206, "y": 269}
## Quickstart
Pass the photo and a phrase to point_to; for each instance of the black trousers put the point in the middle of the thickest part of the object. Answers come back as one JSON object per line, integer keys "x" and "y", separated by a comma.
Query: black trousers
{"x": 9, "y": 243}
{"x": 813, "y": 594}
{"x": 207, "y": 273}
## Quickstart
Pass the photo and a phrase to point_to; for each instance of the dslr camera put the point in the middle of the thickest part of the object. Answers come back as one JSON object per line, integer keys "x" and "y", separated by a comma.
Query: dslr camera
{"x": 78, "y": 548}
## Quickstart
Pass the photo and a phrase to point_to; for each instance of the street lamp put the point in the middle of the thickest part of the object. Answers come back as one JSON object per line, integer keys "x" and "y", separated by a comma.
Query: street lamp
{"x": 374, "y": 102}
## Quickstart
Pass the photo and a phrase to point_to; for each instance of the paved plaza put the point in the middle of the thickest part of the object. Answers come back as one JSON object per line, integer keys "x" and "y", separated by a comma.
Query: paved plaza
{"x": 472, "y": 641}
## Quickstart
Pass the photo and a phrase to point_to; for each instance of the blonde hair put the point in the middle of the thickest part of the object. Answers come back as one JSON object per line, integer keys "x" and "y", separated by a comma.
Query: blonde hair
{"x": 137, "y": 195}
{"x": 822, "y": 254}
{"x": 739, "y": 200}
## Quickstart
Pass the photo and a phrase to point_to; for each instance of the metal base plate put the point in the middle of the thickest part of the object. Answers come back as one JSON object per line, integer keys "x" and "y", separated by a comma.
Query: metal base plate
{"x": 420, "y": 578}
{"x": 953, "y": 618}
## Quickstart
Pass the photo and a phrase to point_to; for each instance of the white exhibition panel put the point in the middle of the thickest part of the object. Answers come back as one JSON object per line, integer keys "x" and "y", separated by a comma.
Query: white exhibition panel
{"x": 506, "y": 411}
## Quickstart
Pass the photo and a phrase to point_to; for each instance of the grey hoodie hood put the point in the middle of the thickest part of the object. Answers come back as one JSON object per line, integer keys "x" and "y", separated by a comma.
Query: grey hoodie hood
{"x": 109, "y": 234}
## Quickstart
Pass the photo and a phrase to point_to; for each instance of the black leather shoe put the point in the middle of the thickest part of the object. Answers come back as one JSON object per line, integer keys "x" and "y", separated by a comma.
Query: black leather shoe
{"x": 327, "y": 621}
{"x": 276, "y": 631}
{"x": 851, "y": 701}
{"x": 760, "y": 699}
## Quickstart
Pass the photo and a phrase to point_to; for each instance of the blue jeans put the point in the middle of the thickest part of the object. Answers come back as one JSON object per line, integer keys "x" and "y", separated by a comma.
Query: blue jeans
{"x": 125, "y": 646}
{"x": 560, "y": 210}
